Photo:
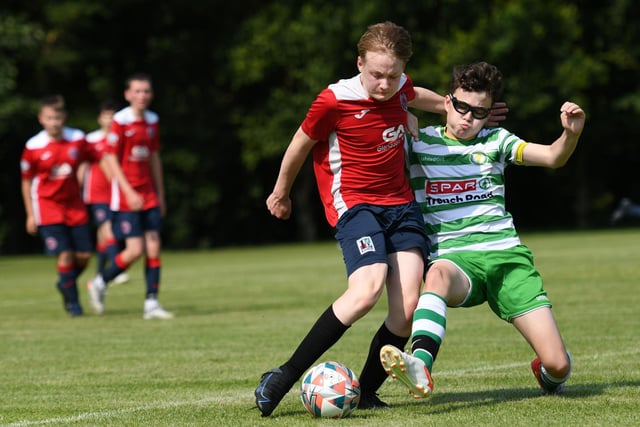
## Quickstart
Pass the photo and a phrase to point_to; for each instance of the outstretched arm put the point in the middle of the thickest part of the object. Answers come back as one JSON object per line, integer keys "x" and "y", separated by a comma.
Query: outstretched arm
{"x": 557, "y": 154}
{"x": 278, "y": 202}
{"x": 427, "y": 100}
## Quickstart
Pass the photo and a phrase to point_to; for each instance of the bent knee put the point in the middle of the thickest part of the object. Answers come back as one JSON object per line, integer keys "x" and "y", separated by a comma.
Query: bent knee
{"x": 559, "y": 367}
{"x": 133, "y": 252}
{"x": 81, "y": 257}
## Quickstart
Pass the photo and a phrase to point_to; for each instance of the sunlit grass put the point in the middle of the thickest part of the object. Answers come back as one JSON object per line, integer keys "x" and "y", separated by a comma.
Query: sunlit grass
{"x": 242, "y": 311}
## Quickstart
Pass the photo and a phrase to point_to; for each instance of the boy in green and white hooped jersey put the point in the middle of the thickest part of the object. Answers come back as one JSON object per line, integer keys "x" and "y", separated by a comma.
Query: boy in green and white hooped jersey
{"x": 457, "y": 174}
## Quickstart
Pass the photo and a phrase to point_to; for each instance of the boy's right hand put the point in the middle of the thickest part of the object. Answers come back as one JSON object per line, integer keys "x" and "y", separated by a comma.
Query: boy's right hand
{"x": 135, "y": 200}
{"x": 31, "y": 226}
{"x": 280, "y": 207}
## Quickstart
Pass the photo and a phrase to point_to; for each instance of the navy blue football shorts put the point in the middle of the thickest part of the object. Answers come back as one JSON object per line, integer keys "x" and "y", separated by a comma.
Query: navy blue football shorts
{"x": 58, "y": 238}
{"x": 100, "y": 213}
{"x": 134, "y": 224}
{"x": 368, "y": 233}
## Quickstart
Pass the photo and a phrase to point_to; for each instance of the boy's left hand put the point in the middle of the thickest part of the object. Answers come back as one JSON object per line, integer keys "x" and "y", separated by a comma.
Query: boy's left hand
{"x": 499, "y": 112}
{"x": 412, "y": 125}
{"x": 572, "y": 117}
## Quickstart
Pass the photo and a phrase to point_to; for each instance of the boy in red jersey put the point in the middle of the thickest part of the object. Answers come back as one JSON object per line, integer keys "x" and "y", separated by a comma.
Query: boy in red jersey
{"x": 96, "y": 193}
{"x": 356, "y": 130}
{"x": 51, "y": 195}
{"x": 137, "y": 198}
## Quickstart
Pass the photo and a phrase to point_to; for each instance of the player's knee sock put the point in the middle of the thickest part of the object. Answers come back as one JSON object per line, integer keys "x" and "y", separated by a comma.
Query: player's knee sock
{"x": 67, "y": 283}
{"x": 152, "y": 276}
{"x": 101, "y": 258}
{"x": 323, "y": 334}
{"x": 373, "y": 374}
{"x": 116, "y": 267}
{"x": 429, "y": 326}
{"x": 112, "y": 248}
{"x": 80, "y": 266}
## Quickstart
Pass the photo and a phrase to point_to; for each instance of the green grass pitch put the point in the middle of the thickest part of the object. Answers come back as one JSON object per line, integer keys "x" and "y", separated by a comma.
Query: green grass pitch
{"x": 241, "y": 311}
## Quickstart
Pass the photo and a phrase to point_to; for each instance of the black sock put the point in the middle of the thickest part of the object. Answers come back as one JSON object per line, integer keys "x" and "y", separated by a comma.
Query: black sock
{"x": 426, "y": 343}
{"x": 323, "y": 334}
{"x": 373, "y": 374}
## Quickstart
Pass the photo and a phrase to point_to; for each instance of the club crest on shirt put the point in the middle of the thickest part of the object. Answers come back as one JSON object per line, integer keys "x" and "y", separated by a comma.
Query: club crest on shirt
{"x": 365, "y": 244}
{"x": 403, "y": 102}
{"x": 478, "y": 158}
{"x": 73, "y": 153}
{"x": 112, "y": 139}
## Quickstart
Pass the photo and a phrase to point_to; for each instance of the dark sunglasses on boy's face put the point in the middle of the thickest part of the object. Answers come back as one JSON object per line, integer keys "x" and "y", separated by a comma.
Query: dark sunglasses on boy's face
{"x": 463, "y": 108}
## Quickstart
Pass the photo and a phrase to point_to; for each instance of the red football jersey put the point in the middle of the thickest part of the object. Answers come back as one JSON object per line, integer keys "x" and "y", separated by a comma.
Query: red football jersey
{"x": 52, "y": 167}
{"x": 132, "y": 140}
{"x": 96, "y": 187}
{"x": 359, "y": 157}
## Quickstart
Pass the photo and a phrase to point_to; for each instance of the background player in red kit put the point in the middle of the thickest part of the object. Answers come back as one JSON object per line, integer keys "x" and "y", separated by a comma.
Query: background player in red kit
{"x": 51, "y": 195}
{"x": 356, "y": 130}
{"x": 137, "y": 198}
{"x": 96, "y": 194}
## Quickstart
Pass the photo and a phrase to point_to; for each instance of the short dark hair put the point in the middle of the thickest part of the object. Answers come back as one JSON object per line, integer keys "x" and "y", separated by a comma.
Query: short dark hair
{"x": 137, "y": 77}
{"x": 109, "y": 105}
{"x": 478, "y": 77}
{"x": 54, "y": 101}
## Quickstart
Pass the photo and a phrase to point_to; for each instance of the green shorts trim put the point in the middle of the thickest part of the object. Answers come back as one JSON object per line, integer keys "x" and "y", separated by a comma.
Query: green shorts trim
{"x": 506, "y": 279}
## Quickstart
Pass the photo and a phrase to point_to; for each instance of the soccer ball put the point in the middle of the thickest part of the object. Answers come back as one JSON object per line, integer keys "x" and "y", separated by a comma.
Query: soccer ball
{"x": 330, "y": 390}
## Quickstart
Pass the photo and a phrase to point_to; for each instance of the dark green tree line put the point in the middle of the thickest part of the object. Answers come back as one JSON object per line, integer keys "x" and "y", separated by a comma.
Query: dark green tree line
{"x": 234, "y": 80}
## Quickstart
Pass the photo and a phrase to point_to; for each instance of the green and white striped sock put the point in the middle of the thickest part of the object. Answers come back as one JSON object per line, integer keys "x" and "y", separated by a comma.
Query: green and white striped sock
{"x": 429, "y": 326}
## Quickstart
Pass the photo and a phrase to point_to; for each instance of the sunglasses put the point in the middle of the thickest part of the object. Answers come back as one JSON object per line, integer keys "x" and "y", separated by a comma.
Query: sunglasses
{"x": 463, "y": 108}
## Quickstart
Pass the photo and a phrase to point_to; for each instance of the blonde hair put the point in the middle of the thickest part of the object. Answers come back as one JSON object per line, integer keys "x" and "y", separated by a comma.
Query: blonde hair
{"x": 386, "y": 37}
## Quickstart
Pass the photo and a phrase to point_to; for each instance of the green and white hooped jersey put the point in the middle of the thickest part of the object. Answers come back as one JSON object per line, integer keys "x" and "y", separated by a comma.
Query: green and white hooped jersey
{"x": 459, "y": 186}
